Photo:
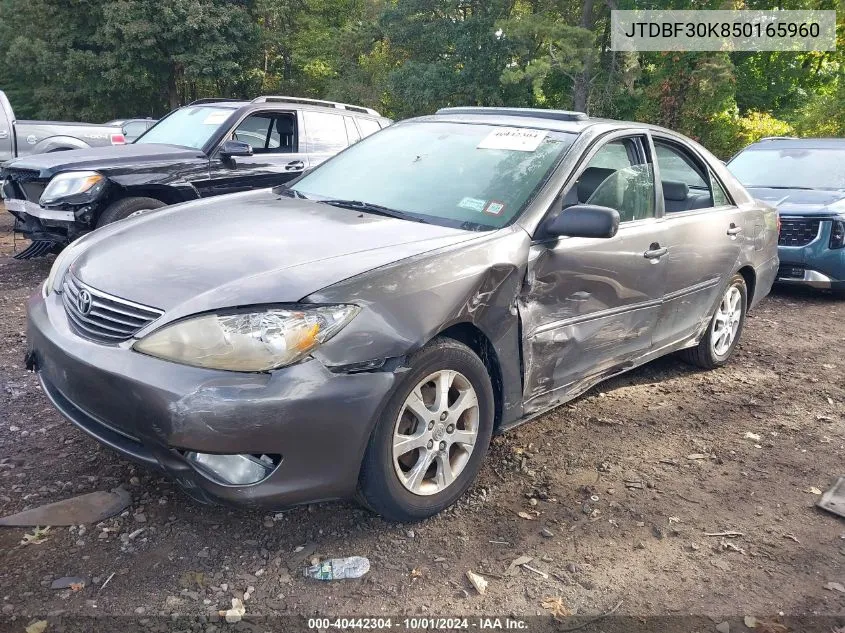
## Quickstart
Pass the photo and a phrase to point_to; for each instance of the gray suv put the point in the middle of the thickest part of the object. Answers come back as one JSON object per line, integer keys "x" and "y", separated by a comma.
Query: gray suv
{"x": 365, "y": 330}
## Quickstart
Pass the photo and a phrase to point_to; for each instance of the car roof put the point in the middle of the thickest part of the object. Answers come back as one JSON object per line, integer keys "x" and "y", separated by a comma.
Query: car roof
{"x": 797, "y": 143}
{"x": 261, "y": 103}
{"x": 553, "y": 120}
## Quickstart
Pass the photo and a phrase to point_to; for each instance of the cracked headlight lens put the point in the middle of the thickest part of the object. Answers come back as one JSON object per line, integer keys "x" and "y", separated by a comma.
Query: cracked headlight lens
{"x": 252, "y": 340}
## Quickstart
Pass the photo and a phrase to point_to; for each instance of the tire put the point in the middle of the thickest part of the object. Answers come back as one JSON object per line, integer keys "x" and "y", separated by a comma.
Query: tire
{"x": 709, "y": 354}
{"x": 380, "y": 487}
{"x": 123, "y": 208}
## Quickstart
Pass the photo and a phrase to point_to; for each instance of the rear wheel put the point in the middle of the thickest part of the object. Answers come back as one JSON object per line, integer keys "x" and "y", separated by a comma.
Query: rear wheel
{"x": 719, "y": 342}
{"x": 127, "y": 207}
{"x": 428, "y": 446}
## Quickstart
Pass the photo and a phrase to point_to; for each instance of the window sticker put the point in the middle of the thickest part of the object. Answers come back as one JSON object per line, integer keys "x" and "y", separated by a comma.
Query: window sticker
{"x": 513, "y": 138}
{"x": 494, "y": 207}
{"x": 215, "y": 118}
{"x": 473, "y": 204}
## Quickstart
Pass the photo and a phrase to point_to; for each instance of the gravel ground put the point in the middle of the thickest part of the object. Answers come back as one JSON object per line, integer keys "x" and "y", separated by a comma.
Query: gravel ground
{"x": 621, "y": 488}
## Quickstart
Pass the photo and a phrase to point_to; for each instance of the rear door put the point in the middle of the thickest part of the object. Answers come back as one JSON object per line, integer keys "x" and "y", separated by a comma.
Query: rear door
{"x": 325, "y": 134}
{"x": 276, "y": 143}
{"x": 705, "y": 232}
{"x": 588, "y": 306}
{"x": 7, "y": 129}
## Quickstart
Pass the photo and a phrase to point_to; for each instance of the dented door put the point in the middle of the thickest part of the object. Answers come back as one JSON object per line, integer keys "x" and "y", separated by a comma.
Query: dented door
{"x": 588, "y": 306}
{"x": 588, "y": 310}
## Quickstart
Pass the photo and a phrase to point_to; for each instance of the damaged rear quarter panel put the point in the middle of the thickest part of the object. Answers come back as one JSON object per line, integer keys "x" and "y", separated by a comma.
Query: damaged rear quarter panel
{"x": 406, "y": 304}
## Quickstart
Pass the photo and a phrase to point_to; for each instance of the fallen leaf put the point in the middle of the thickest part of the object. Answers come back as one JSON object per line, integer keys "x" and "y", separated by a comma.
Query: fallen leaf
{"x": 38, "y": 536}
{"x": 416, "y": 573}
{"x": 235, "y": 613}
{"x": 524, "y": 515}
{"x": 835, "y": 586}
{"x": 77, "y": 586}
{"x": 674, "y": 520}
{"x": 752, "y": 436}
{"x": 39, "y": 626}
{"x": 556, "y": 607}
{"x": 814, "y": 491}
{"x": 697, "y": 456}
{"x": 750, "y": 621}
{"x": 477, "y": 581}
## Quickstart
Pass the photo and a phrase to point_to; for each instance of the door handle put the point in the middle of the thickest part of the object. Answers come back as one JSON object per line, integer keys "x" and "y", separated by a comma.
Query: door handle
{"x": 655, "y": 251}
{"x": 295, "y": 165}
{"x": 734, "y": 229}
{"x": 4, "y": 133}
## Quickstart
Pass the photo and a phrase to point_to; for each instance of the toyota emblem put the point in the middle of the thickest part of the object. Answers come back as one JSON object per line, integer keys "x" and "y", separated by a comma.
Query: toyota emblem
{"x": 83, "y": 302}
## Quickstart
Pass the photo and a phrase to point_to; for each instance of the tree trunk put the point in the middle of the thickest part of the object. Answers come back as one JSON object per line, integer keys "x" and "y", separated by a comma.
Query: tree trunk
{"x": 581, "y": 89}
{"x": 173, "y": 85}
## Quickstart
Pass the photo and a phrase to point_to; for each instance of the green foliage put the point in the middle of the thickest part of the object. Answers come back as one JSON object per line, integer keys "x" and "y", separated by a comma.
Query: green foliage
{"x": 95, "y": 60}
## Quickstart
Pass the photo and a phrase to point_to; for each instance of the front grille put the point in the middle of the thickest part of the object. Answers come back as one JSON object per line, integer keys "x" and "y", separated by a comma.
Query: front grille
{"x": 100, "y": 317}
{"x": 790, "y": 272}
{"x": 23, "y": 184}
{"x": 797, "y": 231}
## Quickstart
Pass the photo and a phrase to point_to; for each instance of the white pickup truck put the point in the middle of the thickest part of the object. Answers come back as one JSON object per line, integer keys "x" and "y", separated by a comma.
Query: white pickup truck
{"x": 22, "y": 138}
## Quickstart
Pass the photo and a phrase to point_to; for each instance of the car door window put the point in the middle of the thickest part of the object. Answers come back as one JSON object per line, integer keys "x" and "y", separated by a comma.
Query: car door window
{"x": 326, "y": 132}
{"x": 684, "y": 186}
{"x": 720, "y": 196}
{"x": 351, "y": 131}
{"x": 268, "y": 133}
{"x": 368, "y": 126}
{"x": 615, "y": 177}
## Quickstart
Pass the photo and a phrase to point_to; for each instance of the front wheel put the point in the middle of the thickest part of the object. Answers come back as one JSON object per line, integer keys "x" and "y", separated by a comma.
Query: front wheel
{"x": 429, "y": 443}
{"x": 127, "y": 207}
{"x": 719, "y": 341}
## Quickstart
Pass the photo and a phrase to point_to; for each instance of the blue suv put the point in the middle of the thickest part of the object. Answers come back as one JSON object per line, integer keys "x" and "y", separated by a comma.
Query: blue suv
{"x": 805, "y": 180}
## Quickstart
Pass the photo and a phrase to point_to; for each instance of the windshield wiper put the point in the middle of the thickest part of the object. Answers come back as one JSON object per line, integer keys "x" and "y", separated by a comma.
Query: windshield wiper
{"x": 369, "y": 207}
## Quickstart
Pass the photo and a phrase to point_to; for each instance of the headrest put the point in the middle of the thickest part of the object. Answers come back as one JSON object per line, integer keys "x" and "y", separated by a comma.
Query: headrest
{"x": 675, "y": 190}
{"x": 590, "y": 180}
{"x": 284, "y": 125}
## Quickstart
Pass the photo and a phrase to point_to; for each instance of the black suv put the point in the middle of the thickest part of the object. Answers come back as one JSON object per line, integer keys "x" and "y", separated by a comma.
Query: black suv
{"x": 207, "y": 148}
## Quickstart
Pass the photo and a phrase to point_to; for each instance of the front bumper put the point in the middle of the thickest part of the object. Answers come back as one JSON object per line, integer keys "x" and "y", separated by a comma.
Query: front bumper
{"x": 153, "y": 411}
{"x": 815, "y": 264}
{"x": 39, "y": 224}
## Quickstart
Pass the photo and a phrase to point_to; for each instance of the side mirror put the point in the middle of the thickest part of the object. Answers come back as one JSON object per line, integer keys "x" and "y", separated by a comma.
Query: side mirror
{"x": 235, "y": 148}
{"x": 584, "y": 220}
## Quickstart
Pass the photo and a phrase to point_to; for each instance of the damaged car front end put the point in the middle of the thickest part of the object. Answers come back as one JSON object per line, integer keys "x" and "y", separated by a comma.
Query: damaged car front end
{"x": 366, "y": 330}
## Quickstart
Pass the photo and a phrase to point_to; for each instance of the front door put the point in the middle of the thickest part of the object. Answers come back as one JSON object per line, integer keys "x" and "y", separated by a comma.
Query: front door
{"x": 589, "y": 306}
{"x": 277, "y": 155}
{"x": 704, "y": 233}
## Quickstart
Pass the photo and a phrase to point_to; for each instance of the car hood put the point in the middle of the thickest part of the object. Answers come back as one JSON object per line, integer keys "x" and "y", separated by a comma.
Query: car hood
{"x": 802, "y": 201}
{"x": 245, "y": 249}
{"x": 106, "y": 158}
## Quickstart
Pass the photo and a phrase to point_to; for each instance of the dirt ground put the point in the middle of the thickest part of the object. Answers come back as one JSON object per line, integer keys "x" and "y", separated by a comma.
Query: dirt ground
{"x": 627, "y": 481}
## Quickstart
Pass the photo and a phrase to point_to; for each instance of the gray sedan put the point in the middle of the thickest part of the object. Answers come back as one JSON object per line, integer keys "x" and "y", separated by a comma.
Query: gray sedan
{"x": 365, "y": 330}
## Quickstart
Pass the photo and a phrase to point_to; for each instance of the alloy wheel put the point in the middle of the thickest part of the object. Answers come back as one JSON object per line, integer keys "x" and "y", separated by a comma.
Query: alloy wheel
{"x": 726, "y": 322}
{"x": 436, "y": 432}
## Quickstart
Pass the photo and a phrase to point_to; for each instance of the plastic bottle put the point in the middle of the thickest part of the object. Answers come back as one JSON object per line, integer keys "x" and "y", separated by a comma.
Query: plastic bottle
{"x": 338, "y": 568}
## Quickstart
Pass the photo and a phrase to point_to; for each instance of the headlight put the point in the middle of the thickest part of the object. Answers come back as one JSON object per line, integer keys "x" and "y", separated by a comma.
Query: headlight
{"x": 62, "y": 263}
{"x": 83, "y": 185}
{"x": 248, "y": 340}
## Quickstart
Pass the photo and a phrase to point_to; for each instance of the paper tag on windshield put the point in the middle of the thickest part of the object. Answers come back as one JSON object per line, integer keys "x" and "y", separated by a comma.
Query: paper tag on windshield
{"x": 514, "y": 138}
{"x": 216, "y": 118}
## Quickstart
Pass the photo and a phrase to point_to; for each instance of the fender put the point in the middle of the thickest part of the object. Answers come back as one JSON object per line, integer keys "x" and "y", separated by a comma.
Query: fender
{"x": 58, "y": 143}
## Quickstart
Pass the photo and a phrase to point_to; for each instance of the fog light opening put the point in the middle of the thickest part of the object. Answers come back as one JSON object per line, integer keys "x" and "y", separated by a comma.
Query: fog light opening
{"x": 236, "y": 470}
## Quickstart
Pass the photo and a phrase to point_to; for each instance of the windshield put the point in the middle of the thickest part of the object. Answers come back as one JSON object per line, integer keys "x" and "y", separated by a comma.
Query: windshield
{"x": 791, "y": 168}
{"x": 457, "y": 174}
{"x": 188, "y": 127}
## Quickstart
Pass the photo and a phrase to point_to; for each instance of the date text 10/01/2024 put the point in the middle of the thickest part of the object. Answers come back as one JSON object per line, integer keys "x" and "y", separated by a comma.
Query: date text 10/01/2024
{"x": 421, "y": 623}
